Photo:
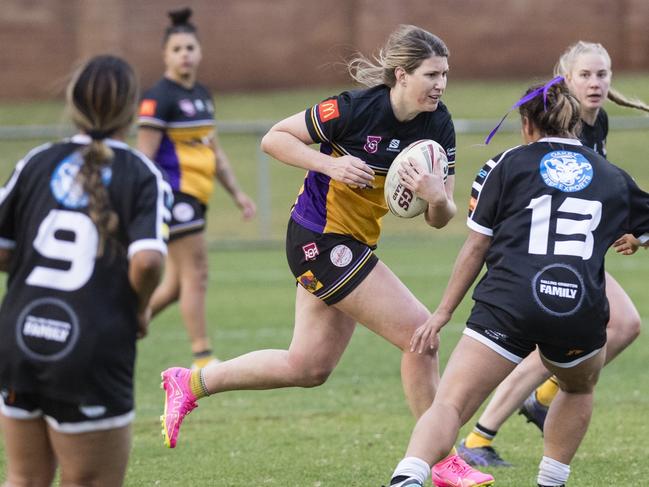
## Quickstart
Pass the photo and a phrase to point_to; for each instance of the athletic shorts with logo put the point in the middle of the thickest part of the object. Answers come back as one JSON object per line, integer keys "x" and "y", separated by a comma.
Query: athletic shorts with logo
{"x": 187, "y": 216}
{"x": 62, "y": 416}
{"x": 328, "y": 265}
{"x": 564, "y": 342}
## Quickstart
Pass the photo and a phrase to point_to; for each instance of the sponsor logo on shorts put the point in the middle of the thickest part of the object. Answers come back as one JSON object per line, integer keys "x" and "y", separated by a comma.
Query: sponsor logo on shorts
{"x": 310, "y": 251}
{"x": 183, "y": 212}
{"x": 66, "y": 188}
{"x": 93, "y": 411}
{"x": 328, "y": 110}
{"x": 495, "y": 335}
{"x": 309, "y": 282}
{"x": 341, "y": 255}
{"x": 574, "y": 352}
{"x": 47, "y": 329}
{"x": 558, "y": 289}
{"x": 372, "y": 144}
{"x": 566, "y": 171}
{"x": 147, "y": 107}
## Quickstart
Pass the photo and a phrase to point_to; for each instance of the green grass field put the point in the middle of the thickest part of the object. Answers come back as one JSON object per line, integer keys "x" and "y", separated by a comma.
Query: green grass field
{"x": 353, "y": 430}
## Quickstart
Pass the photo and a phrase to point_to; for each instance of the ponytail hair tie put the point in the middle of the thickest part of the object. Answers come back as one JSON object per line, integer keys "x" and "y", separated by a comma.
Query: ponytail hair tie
{"x": 533, "y": 94}
{"x": 99, "y": 134}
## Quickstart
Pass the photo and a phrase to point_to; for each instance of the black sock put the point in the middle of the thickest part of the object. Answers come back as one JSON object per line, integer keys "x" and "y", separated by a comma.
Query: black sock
{"x": 485, "y": 432}
{"x": 203, "y": 354}
{"x": 396, "y": 480}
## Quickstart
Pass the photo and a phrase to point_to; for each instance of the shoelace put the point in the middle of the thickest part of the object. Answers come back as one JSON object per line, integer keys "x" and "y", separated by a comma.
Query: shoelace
{"x": 459, "y": 467}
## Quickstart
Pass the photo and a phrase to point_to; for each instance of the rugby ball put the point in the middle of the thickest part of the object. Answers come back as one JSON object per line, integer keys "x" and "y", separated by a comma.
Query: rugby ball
{"x": 424, "y": 154}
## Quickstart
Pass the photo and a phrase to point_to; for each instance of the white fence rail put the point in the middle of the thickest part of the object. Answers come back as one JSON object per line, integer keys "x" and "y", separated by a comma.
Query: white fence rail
{"x": 259, "y": 128}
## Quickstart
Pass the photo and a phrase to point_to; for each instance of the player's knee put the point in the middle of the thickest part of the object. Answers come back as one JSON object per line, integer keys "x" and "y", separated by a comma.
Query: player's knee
{"x": 627, "y": 326}
{"x": 309, "y": 374}
{"x": 315, "y": 376}
{"x": 581, "y": 385}
{"x": 33, "y": 479}
{"x": 633, "y": 327}
{"x": 82, "y": 477}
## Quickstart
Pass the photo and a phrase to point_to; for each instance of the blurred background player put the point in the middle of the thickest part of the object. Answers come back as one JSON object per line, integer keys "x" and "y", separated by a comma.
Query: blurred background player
{"x": 81, "y": 235}
{"x": 586, "y": 67}
{"x": 335, "y": 225}
{"x": 544, "y": 285}
{"x": 177, "y": 131}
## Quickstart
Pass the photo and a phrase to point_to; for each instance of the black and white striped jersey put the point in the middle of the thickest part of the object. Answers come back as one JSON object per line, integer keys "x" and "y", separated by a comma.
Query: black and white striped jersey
{"x": 69, "y": 315}
{"x": 552, "y": 209}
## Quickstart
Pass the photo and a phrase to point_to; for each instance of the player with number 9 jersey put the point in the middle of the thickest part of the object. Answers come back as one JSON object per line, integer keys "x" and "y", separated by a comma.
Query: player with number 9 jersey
{"x": 83, "y": 238}
{"x": 69, "y": 315}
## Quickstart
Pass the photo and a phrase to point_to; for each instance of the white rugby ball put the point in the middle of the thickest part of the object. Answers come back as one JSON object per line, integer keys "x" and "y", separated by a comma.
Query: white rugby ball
{"x": 424, "y": 154}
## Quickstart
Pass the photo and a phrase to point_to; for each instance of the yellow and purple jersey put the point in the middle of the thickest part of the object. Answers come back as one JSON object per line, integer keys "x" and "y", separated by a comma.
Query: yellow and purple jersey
{"x": 186, "y": 119}
{"x": 361, "y": 123}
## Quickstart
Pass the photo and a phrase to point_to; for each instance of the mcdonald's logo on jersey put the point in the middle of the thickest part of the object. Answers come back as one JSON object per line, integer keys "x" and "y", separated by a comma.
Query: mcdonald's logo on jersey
{"x": 147, "y": 107}
{"x": 328, "y": 110}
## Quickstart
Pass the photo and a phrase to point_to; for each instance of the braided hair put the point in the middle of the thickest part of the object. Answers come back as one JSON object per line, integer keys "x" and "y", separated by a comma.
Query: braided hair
{"x": 101, "y": 100}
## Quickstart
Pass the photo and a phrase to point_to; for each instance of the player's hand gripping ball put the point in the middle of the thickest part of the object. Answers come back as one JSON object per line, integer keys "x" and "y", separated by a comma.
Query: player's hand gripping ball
{"x": 424, "y": 155}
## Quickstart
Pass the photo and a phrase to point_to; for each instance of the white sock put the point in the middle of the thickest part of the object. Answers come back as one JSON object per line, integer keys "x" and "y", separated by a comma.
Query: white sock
{"x": 413, "y": 467}
{"x": 552, "y": 473}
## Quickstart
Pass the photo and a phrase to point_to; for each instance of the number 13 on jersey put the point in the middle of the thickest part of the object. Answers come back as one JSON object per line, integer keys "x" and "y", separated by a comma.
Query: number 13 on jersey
{"x": 587, "y": 213}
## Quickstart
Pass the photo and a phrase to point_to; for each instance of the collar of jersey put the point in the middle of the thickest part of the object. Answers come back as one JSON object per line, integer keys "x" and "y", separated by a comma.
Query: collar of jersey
{"x": 561, "y": 140}
{"x": 85, "y": 139}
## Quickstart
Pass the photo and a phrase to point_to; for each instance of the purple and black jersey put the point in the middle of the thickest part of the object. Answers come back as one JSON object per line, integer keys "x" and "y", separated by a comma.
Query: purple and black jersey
{"x": 362, "y": 124}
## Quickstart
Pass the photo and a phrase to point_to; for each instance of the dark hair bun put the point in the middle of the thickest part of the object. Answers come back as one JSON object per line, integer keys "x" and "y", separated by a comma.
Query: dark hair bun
{"x": 180, "y": 17}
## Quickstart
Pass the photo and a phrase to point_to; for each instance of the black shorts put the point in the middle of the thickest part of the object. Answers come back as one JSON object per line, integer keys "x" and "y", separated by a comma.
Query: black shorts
{"x": 501, "y": 332}
{"x": 62, "y": 416}
{"x": 187, "y": 216}
{"x": 328, "y": 265}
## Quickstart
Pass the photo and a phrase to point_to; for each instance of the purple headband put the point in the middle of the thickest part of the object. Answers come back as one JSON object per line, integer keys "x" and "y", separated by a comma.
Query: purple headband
{"x": 543, "y": 89}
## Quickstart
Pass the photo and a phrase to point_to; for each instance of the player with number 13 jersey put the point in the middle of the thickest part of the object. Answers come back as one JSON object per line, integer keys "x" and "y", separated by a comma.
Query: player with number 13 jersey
{"x": 570, "y": 203}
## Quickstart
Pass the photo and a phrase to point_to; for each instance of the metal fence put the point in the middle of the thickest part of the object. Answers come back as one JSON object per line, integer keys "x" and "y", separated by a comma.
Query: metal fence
{"x": 259, "y": 128}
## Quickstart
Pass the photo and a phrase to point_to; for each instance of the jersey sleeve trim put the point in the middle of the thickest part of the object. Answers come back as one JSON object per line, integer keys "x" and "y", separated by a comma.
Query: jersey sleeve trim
{"x": 147, "y": 244}
{"x": 151, "y": 122}
{"x": 317, "y": 134}
{"x": 479, "y": 228}
{"x": 163, "y": 190}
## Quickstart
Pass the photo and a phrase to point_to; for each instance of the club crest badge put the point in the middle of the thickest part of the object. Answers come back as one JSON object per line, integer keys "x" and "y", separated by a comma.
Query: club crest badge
{"x": 372, "y": 144}
{"x": 566, "y": 171}
{"x": 65, "y": 186}
{"x": 187, "y": 107}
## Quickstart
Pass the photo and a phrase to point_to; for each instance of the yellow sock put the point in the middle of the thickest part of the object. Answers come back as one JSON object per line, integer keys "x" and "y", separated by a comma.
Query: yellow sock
{"x": 200, "y": 362}
{"x": 476, "y": 440}
{"x": 545, "y": 392}
{"x": 197, "y": 384}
